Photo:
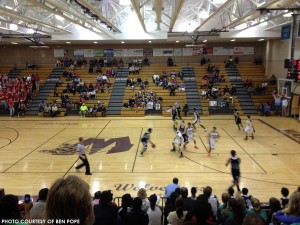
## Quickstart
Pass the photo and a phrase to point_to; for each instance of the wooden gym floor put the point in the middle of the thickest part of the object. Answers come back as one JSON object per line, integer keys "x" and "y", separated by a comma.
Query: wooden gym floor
{"x": 36, "y": 151}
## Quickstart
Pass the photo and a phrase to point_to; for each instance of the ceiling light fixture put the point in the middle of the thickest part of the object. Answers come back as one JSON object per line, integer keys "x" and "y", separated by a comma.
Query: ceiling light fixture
{"x": 122, "y": 42}
{"x": 67, "y": 42}
{"x": 177, "y": 41}
{"x": 13, "y": 27}
{"x": 150, "y": 41}
{"x": 14, "y": 43}
{"x": 204, "y": 41}
{"x": 95, "y": 42}
{"x": 203, "y": 14}
{"x": 232, "y": 40}
{"x": 261, "y": 39}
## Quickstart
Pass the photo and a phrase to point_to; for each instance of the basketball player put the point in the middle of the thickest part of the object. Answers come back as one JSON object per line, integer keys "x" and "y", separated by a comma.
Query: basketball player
{"x": 174, "y": 114}
{"x": 213, "y": 136}
{"x": 249, "y": 128}
{"x": 177, "y": 143}
{"x": 235, "y": 168}
{"x": 197, "y": 120}
{"x": 182, "y": 129}
{"x": 80, "y": 150}
{"x": 239, "y": 122}
{"x": 145, "y": 139}
{"x": 190, "y": 136}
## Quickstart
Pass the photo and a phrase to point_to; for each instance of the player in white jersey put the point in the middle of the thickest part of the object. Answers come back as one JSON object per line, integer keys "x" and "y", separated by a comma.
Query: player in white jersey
{"x": 177, "y": 143}
{"x": 249, "y": 128}
{"x": 213, "y": 136}
{"x": 190, "y": 136}
{"x": 196, "y": 119}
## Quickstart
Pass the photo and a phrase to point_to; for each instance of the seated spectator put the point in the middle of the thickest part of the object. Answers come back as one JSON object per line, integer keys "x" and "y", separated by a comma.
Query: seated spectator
{"x": 284, "y": 199}
{"x": 41, "y": 106}
{"x": 146, "y": 62}
{"x": 170, "y": 62}
{"x": 202, "y": 212}
{"x": 181, "y": 87}
{"x": 69, "y": 198}
{"x": 154, "y": 212}
{"x": 291, "y": 214}
{"x": 39, "y": 207}
{"x": 136, "y": 216}
{"x": 21, "y": 108}
{"x": 257, "y": 209}
{"x": 10, "y": 210}
{"x": 267, "y": 109}
{"x": 273, "y": 79}
{"x": 83, "y": 110}
{"x": 202, "y": 61}
{"x": 53, "y": 110}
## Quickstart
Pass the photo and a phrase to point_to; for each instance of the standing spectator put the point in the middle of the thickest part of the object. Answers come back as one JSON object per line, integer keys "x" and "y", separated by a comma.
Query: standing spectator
{"x": 80, "y": 150}
{"x": 136, "y": 216}
{"x": 105, "y": 212}
{"x": 177, "y": 217}
{"x": 277, "y": 99}
{"x": 154, "y": 212}
{"x": 285, "y": 106}
{"x": 142, "y": 194}
{"x": 212, "y": 199}
{"x": 11, "y": 107}
{"x": 171, "y": 187}
{"x": 39, "y": 207}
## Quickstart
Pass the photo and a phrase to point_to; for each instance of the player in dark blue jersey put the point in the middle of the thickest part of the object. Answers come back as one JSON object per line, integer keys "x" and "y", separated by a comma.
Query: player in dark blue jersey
{"x": 235, "y": 168}
{"x": 145, "y": 139}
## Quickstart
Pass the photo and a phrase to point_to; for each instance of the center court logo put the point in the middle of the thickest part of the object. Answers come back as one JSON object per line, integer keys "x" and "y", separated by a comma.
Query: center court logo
{"x": 121, "y": 144}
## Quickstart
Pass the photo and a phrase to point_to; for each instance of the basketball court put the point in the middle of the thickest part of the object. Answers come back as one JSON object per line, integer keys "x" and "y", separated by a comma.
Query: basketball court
{"x": 36, "y": 151}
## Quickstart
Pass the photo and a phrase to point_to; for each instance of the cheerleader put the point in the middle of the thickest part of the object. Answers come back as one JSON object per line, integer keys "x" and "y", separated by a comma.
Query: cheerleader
{"x": 249, "y": 128}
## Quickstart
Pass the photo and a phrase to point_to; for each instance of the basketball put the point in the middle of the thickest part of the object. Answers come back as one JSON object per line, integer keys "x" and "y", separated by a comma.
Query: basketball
{"x": 153, "y": 146}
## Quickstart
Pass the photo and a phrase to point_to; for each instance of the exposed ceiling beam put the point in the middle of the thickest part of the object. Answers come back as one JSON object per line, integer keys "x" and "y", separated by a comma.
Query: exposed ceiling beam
{"x": 43, "y": 6}
{"x": 136, "y": 6}
{"x": 66, "y": 8}
{"x": 176, "y": 13}
{"x": 28, "y": 20}
{"x": 224, "y": 6}
{"x": 158, "y": 7}
{"x": 94, "y": 11}
{"x": 256, "y": 14}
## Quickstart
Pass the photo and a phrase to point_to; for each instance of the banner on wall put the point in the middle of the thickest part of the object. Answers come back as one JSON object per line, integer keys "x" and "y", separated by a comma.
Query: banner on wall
{"x": 177, "y": 51}
{"x": 207, "y": 50}
{"x": 78, "y": 53}
{"x": 248, "y": 50}
{"x": 148, "y": 51}
{"x": 137, "y": 52}
{"x": 285, "y": 32}
{"x": 238, "y": 50}
{"x": 157, "y": 52}
{"x": 59, "y": 53}
{"x": 223, "y": 51}
{"x": 187, "y": 51}
{"x": 98, "y": 52}
{"x": 88, "y": 53}
{"x": 167, "y": 52}
{"x": 118, "y": 52}
{"x": 197, "y": 51}
{"x": 108, "y": 53}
